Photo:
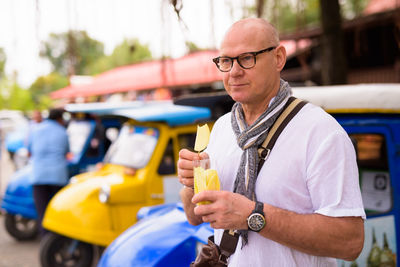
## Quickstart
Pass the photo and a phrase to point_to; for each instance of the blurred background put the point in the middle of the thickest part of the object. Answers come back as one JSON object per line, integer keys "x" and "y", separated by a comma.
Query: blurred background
{"x": 57, "y": 52}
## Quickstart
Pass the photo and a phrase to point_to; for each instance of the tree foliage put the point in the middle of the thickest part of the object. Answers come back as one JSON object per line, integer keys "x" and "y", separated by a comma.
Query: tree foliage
{"x": 37, "y": 96}
{"x": 128, "y": 52}
{"x": 44, "y": 85}
{"x": 289, "y": 16}
{"x": 352, "y": 8}
{"x": 192, "y": 47}
{"x": 3, "y": 59}
{"x": 75, "y": 53}
{"x": 72, "y": 52}
{"x": 14, "y": 97}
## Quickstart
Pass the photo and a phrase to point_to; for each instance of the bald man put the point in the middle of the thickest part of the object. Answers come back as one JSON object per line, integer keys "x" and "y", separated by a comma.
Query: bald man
{"x": 306, "y": 197}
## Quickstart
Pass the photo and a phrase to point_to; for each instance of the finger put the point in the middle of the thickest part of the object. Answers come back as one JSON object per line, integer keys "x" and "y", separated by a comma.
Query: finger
{"x": 203, "y": 210}
{"x": 185, "y": 164}
{"x": 188, "y": 174}
{"x": 186, "y": 182}
{"x": 187, "y": 154}
{"x": 211, "y": 196}
{"x": 208, "y": 218}
{"x": 204, "y": 155}
{"x": 185, "y": 168}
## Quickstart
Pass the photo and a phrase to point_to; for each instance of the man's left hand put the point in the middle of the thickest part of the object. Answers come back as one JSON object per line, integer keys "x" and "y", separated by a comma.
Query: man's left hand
{"x": 227, "y": 210}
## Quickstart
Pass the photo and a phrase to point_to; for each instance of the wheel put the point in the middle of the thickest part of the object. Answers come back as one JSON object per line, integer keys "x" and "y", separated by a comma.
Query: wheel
{"x": 21, "y": 228}
{"x": 61, "y": 251}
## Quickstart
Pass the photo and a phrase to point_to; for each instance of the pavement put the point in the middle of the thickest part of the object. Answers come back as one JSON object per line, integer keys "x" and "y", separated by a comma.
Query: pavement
{"x": 17, "y": 254}
{"x": 14, "y": 253}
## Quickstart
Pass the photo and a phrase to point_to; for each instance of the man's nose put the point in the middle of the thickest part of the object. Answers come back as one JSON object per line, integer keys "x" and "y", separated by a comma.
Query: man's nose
{"x": 236, "y": 68}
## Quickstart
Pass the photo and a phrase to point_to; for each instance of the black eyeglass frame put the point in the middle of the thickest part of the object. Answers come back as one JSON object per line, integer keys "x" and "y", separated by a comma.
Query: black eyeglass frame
{"x": 216, "y": 60}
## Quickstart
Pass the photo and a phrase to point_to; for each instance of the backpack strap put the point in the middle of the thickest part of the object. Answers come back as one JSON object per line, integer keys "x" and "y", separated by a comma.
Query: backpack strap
{"x": 292, "y": 106}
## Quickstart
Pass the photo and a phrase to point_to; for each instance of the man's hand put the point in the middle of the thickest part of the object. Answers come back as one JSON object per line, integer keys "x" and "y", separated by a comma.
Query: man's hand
{"x": 185, "y": 175}
{"x": 227, "y": 210}
{"x": 316, "y": 234}
{"x": 185, "y": 166}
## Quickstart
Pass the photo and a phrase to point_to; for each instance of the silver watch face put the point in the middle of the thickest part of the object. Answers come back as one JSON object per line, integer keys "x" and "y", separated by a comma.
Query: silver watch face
{"x": 256, "y": 222}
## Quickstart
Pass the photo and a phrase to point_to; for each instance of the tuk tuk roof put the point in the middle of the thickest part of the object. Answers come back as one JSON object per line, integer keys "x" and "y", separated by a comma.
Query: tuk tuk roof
{"x": 145, "y": 111}
{"x": 355, "y": 98}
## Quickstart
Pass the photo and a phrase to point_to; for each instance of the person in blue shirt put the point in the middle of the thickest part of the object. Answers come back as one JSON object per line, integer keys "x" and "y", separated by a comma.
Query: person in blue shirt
{"x": 48, "y": 148}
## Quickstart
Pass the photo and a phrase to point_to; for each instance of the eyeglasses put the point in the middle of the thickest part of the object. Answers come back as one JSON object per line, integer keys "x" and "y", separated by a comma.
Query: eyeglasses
{"x": 246, "y": 60}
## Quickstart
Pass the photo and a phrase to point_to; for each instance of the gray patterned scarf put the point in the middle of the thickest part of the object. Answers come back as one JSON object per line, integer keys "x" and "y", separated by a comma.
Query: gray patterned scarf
{"x": 249, "y": 138}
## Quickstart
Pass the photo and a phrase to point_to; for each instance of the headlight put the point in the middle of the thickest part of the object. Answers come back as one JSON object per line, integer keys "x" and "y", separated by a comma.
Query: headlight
{"x": 73, "y": 180}
{"x": 104, "y": 193}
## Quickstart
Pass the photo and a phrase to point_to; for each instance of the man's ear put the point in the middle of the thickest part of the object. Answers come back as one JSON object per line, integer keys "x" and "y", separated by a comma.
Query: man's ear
{"x": 280, "y": 57}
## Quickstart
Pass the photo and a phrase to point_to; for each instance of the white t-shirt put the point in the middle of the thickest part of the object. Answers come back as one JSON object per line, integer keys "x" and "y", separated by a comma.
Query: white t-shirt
{"x": 311, "y": 169}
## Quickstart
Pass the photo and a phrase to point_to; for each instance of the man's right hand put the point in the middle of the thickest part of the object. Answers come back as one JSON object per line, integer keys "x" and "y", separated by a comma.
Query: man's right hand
{"x": 185, "y": 174}
{"x": 185, "y": 166}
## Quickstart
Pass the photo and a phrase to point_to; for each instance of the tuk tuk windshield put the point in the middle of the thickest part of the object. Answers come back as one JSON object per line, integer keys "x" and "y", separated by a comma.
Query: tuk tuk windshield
{"x": 133, "y": 147}
{"x": 78, "y": 133}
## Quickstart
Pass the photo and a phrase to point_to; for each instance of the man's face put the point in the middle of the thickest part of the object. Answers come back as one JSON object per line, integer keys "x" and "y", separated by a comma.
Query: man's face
{"x": 37, "y": 116}
{"x": 249, "y": 86}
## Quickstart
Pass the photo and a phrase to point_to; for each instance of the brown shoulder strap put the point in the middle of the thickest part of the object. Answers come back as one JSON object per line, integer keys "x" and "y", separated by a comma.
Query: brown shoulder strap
{"x": 292, "y": 106}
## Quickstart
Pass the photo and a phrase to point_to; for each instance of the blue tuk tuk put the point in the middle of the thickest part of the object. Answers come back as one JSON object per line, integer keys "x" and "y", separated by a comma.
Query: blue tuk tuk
{"x": 370, "y": 113}
{"x": 88, "y": 144}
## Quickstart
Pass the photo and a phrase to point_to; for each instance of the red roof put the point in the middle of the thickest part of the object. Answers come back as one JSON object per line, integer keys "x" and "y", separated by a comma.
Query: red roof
{"x": 195, "y": 68}
{"x": 293, "y": 46}
{"x": 376, "y": 6}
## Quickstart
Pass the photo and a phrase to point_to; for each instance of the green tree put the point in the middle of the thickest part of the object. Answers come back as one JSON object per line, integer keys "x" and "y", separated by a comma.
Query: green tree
{"x": 3, "y": 59}
{"x": 353, "y": 8}
{"x": 192, "y": 47}
{"x": 14, "y": 97}
{"x": 72, "y": 52}
{"x": 44, "y": 85}
{"x": 288, "y": 16}
{"x": 294, "y": 17}
{"x": 20, "y": 99}
{"x": 128, "y": 52}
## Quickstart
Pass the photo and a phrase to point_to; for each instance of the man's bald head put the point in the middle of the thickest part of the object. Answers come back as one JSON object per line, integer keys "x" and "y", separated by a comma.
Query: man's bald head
{"x": 257, "y": 41}
{"x": 262, "y": 28}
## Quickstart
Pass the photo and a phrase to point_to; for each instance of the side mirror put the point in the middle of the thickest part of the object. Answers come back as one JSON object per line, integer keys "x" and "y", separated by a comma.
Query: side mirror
{"x": 112, "y": 134}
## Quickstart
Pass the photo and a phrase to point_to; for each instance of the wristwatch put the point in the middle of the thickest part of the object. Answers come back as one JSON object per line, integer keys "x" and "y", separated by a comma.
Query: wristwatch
{"x": 256, "y": 220}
